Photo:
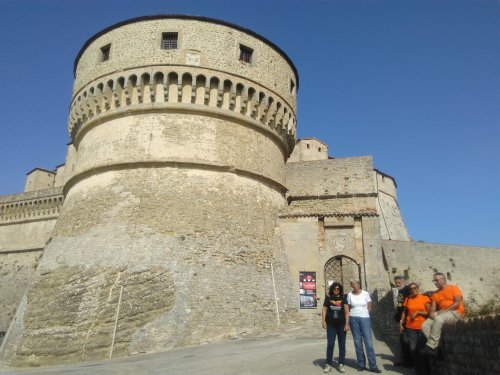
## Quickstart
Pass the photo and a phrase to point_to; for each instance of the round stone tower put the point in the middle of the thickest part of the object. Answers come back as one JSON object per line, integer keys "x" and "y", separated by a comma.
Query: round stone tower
{"x": 181, "y": 127}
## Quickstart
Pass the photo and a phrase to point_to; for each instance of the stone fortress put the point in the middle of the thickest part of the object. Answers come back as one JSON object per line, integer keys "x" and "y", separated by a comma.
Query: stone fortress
{"x": 187, "y": 211}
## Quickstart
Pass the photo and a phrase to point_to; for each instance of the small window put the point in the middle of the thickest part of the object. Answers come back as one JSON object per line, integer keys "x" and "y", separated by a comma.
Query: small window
{"x": 169, "y": 40}
{"x": 319, "y": 149}
{"x": 105, "y": 52}
{"x": 292, "y": 86}
{"x": 245, "y": 54}
{"x": 308, "y": 145}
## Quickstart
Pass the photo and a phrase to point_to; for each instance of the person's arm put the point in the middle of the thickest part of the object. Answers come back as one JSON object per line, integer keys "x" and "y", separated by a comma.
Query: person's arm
{"x": 432, "y": 310}
{"x": 346, "y": 312}
{"x": 402, "y": 321}
{"x": 453, "y": 306}
{"x": 369, "y": 306}
{"x": 323, "y": 317}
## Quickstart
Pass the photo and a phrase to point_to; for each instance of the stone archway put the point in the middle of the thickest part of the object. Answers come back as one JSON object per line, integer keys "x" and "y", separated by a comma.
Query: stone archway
{"x": 341, "y": 269}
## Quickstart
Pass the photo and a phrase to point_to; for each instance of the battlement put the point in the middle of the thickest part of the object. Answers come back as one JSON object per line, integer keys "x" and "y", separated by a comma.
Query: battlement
{"x": 32, "y": 206}
{"x": 173, "y": 89}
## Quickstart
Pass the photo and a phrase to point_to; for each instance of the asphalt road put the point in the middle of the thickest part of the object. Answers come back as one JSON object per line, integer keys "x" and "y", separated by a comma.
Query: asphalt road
{"x": 287, "y": 351}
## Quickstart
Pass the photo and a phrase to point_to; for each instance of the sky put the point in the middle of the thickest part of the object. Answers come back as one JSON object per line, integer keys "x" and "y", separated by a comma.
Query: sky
{"x": 414, "y": 83}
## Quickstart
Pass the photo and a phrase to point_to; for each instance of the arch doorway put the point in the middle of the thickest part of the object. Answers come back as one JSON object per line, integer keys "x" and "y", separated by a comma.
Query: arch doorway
{"x": 341, "y": 269}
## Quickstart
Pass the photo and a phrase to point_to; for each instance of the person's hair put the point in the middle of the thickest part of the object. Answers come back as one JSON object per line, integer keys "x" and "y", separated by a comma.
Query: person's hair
{"x": 440, "y": 274}
{"x": 341, "y": 289}
{"x": 413, "y": 283}
{"x": 399, "y": 277}
{"x": 354, "y": 281}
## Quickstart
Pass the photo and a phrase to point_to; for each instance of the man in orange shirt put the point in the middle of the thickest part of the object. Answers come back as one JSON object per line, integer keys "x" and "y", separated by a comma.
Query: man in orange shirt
{"x": 446, "y": 306}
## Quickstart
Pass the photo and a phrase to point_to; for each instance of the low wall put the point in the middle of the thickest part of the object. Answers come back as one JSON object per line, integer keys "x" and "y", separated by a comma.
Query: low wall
{"x": 470, "y": 347}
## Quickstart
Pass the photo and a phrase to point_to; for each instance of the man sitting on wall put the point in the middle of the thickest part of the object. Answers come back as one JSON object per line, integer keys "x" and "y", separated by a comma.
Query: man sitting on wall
{"x": 446, "y": 306}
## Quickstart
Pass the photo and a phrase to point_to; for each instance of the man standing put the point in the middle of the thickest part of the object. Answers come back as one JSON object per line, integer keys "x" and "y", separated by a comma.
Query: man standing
{"x": 403, "y": 293}
{"x": 446, "y": 306}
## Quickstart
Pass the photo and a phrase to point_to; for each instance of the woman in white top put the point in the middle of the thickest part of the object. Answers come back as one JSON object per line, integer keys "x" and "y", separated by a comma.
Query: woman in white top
{"x": 360, "y": 305}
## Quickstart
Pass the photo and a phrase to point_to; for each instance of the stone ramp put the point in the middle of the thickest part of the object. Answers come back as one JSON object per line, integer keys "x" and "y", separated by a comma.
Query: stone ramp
{"x": 293, "y": 349}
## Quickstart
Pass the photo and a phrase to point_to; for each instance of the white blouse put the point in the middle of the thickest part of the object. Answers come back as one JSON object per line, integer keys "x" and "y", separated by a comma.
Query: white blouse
{"x": 358, "y": 304}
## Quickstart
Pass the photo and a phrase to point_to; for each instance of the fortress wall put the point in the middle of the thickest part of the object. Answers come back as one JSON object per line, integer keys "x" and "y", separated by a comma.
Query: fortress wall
{"x": 392, "y": 226}
{"x": 182, "y": 139}
{"x": 16, "y": 276}
{"x": 175, "y": 178}
{"x": 174, "y": 251}
{"x": 26, "y": 235}
{"x": 59, "y": 178}
{"x": 331, "y": 177}
{"x": 26, "y": 224}
{"x": 474, "y": 269}
{"x": 200, "y": 43}
{"x": 309, "y": 149}
{"x": 27, "y": 219}
{"x": 39, "y": 179}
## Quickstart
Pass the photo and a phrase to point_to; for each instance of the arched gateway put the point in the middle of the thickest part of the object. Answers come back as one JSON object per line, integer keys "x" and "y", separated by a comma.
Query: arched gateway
{"x": 341, "y": 269}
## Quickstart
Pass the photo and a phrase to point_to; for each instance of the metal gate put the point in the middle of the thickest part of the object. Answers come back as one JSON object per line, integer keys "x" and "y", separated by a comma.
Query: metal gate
{"x": 342, "y": 269}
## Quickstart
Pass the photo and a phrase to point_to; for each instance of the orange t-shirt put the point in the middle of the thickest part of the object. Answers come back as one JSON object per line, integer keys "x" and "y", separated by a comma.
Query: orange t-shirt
{"x": 445, "y": 297}
{"x": 414, "y": 304}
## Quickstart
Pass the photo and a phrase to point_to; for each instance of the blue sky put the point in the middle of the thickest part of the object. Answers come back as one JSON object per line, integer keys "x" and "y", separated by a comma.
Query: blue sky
{"x": 414, "y": 83}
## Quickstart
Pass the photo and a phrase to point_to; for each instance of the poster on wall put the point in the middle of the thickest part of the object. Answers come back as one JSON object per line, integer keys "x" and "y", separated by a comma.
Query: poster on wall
{"x": 307, "y": 288}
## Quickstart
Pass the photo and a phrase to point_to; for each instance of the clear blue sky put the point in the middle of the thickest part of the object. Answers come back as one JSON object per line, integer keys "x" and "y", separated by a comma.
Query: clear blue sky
{"x": 414, "y": 83}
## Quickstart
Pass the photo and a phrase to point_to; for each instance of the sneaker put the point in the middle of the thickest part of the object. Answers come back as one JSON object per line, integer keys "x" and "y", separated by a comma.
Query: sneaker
{"x": 376, "y": 370}
{"x": 341, "y": 368}
{"x": 361, "y": 368}
{"x": 327, "y": 368}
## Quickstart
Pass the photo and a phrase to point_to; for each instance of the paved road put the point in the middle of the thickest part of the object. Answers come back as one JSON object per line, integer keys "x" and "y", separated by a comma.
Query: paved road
{"x": 289, "y": 351}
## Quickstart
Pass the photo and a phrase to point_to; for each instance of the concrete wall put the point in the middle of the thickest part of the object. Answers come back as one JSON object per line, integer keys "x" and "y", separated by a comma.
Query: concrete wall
{"x": 473, "y": 269}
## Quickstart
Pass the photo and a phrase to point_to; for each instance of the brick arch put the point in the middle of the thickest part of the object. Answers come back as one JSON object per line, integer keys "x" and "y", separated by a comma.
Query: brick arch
{"x": 341, "y": 269}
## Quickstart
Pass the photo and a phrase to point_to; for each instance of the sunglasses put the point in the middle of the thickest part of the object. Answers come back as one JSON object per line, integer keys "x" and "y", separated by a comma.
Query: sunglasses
{"x": 413, "y": 287}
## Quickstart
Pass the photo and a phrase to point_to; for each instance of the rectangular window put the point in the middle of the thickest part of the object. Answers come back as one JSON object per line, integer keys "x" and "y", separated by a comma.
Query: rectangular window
{"x": 245, "y": 54}
{"x": 105, "y": 52}
{"x": 169, "y": 40}
{"x": 292, "y": 86}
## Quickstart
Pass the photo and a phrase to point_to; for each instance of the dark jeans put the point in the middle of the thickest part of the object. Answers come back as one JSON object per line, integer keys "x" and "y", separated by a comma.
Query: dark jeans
{"x": 332, "y": 332}
{"x": 414, "y": 340}
{"x": 405, "y": 355}
{"x": 361, "y": 329}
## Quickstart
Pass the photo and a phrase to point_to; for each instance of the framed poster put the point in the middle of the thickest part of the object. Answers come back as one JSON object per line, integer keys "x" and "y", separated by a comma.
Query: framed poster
{"x": 307, "y": 288}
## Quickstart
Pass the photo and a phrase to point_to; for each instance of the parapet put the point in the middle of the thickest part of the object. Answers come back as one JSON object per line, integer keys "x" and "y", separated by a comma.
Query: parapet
{"x": 185, "y": 63}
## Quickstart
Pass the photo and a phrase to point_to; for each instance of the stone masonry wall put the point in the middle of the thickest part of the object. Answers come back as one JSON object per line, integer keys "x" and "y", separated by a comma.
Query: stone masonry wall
{"x": 331, "y": 177}
{"x": 469, "y": 347}
{"x": 175, "y": 253}
{"x": 139, "y": 44}
{"x": 473, "y": 269}
{"x": 16, "y": 276}
{"x": 392, "y": 226}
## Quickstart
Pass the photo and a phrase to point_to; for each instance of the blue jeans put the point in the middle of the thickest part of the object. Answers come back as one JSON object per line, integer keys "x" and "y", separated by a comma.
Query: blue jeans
{"x": 333, "y": 331}
{"x": 361, "y": 329}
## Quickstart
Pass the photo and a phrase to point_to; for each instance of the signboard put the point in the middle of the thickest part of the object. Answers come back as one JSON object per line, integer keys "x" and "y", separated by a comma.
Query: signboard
{"x": 307, "y": 288}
